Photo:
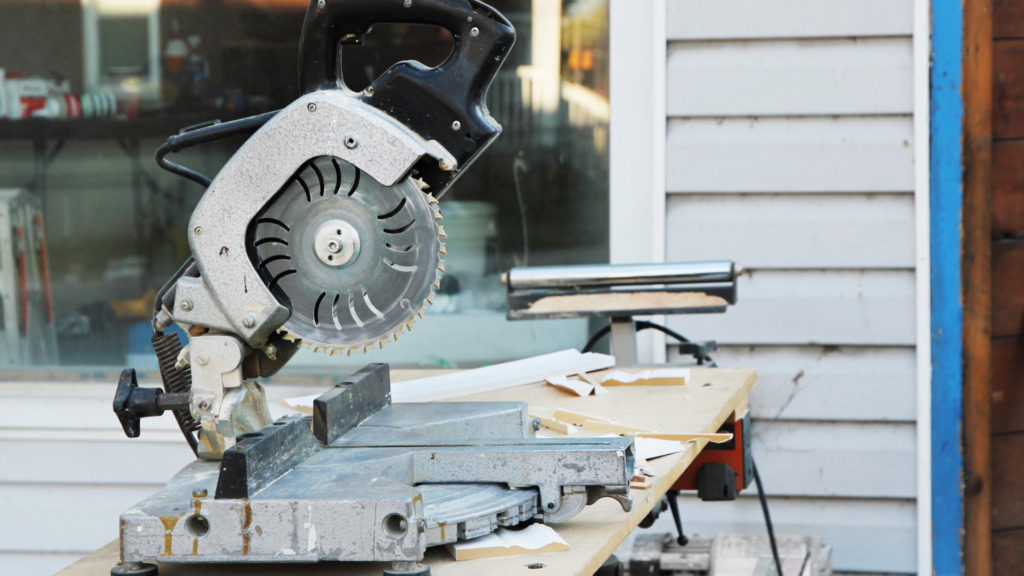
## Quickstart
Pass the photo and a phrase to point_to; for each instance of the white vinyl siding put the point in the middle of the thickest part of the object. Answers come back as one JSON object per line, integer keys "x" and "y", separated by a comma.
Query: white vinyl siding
{"x": 789, "y": 149}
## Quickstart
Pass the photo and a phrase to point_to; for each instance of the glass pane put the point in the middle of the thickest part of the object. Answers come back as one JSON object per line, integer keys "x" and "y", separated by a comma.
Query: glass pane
{"x": 90, "y": 228}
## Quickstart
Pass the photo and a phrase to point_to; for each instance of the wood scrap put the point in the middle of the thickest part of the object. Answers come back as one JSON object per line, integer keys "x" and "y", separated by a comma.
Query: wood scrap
{"x": 534, "y": 539}
{"x": 578, "y": 418}
{"x": 657, "y": 377}
{"x": 555, "y": 425}
{"x": 608, "y": 427}
{"x": 715, "y": 438}
{"x": 572, "y": 386}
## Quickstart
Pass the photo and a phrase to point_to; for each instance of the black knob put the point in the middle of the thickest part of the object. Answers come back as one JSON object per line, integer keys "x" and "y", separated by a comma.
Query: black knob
{"x": 132, "y": 403}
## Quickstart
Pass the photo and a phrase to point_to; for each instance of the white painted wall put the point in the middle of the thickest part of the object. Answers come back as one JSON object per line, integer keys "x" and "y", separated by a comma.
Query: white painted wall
{"x": 790, "y": 147}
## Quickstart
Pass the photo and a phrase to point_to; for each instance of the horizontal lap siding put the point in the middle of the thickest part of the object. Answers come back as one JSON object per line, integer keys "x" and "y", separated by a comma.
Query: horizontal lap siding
{"x": 866, "y": 535}
{"x": 793, "y": 230}
{"x": 847, "y": 383}
{"x": 784, "y": 155}
{"x": 790, "y": 151}
{"x": 730, "y": 19}
{"x": 800, "y": 307}
{"x": 784, "y": 77}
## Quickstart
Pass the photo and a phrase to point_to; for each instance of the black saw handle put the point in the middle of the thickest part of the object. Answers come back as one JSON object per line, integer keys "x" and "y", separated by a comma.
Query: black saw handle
{"x": 446, "y": 103}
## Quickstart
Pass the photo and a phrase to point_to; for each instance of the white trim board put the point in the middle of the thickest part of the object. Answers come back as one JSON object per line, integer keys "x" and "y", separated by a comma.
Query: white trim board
{"x": 922, "y": 176}
{"x": 638, "y": 46}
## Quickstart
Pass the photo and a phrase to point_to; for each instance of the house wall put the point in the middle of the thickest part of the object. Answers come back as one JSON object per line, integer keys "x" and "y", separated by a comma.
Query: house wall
{"x": 790, "y": 148}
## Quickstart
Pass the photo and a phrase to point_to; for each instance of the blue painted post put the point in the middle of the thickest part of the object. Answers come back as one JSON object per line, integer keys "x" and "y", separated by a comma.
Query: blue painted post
{"x": 947, "y": 107}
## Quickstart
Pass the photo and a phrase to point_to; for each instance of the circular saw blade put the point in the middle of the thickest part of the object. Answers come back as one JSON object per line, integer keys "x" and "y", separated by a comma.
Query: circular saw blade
{"x": 390, "y": 270}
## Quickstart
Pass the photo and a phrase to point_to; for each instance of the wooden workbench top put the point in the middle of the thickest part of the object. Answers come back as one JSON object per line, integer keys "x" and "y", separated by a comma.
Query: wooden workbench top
{"x": 709, "y": 398}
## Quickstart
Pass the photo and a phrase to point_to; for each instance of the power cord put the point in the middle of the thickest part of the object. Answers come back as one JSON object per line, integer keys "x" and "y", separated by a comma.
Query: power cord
{"x": 644, "y": 325}
{"x": 767, "y": 519}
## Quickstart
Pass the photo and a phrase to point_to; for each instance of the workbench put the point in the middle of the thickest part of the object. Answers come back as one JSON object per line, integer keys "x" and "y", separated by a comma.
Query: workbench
{"x": 711, "y": 397}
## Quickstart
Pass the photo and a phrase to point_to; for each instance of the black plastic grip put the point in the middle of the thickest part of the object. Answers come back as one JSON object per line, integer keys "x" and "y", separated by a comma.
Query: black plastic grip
{"x": 446, "y": 103}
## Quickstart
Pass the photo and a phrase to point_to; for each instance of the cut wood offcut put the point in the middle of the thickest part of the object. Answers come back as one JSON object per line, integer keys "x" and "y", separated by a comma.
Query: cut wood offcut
{"x": 585, "y": 386}
{"x": 535, "y": 538}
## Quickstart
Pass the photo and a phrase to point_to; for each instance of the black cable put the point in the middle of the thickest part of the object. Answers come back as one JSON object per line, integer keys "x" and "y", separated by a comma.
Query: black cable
{"x": 178, "y": 169}
{"x": 641, "y": 325}
{"x": 202, "y": 134}
{"x": 767, "y": 518}
{"x": 594, "y": 339}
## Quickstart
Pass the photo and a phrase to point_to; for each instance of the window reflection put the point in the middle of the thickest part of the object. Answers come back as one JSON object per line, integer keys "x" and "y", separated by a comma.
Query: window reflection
{"x": 82, "y": 115}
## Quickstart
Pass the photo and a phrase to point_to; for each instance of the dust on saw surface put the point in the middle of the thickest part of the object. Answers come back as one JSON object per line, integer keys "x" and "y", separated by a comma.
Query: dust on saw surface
{"x": 592, "y": 535}
{"x": 630, "y": 301}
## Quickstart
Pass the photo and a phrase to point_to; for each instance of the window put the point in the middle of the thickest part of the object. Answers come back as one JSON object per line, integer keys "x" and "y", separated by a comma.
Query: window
{"x": 90, "y": 228}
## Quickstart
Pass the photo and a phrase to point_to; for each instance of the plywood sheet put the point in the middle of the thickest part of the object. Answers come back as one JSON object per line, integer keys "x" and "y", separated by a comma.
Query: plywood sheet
{"x": 592, "y": 535}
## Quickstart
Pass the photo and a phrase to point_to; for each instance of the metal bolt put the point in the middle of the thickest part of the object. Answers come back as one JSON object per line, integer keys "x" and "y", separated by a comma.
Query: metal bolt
{"x": 186, "y": 305}
{"x": 407, "y": 3}
{"x": 333, "y": 246}
{"x": 369, "y": 90}
{"x": 198, "y": 231}
{"x": 536, "y": 423}
{"x": 202, "y": 493}
{"x": 445, "y": 164}
{"x": 474, "y": 31}
{"x": 311, "y": 107}
{"x": 270, "y": 350}
{"x": 456, "y": 125}
{"x": 249, "y": 321}
{"x": 204, "y": 405}
{"x": 351, "y": 142}
{"x": 202, "y": 359}
{"x": 321, "y": 3}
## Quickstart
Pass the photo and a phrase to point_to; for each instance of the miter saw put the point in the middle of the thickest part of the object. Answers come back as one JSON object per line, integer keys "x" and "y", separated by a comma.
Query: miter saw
{"x": 323, "y": 231}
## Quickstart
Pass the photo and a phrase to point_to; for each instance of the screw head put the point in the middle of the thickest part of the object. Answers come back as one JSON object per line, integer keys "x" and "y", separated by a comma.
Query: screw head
{"x": 445, "y": 164}
{"x": 369, "y": 91}
{"x": 198, "y": 231}
{"x": 204, "y": 405}
{"x": 351, "y": 142}
{"x": 456, "y": 125}
{"x": 321, "y": 3}
{"x": 407, "y": 3}
{"x": 186, "y": 305}
{"x": 202, "y": 359}
{"x": 270, "y": 350}
{"x": 201, "y": 493}
{"x": 474, "y": 31}
{"x": 311, "y": 107}
{"x": 249, "y": 321}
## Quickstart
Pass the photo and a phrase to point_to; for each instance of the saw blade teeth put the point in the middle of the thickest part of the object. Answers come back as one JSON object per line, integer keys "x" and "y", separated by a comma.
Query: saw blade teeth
{"x": 289, "y": 336}
{"x": 437, "y": 214}
{"x": 430, "y": 197}
{"x": 437, "y": 281}
{"x": 421, "y": 311}
{"x": 440, "y": 231}
{"x": 430, "y": 298}
{"x": 443, "y": 251}
{"x": 440, "y": 265}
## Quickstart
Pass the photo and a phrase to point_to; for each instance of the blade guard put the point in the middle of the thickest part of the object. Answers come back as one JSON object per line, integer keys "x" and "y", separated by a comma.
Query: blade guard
{"x": 427, "y": 100}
